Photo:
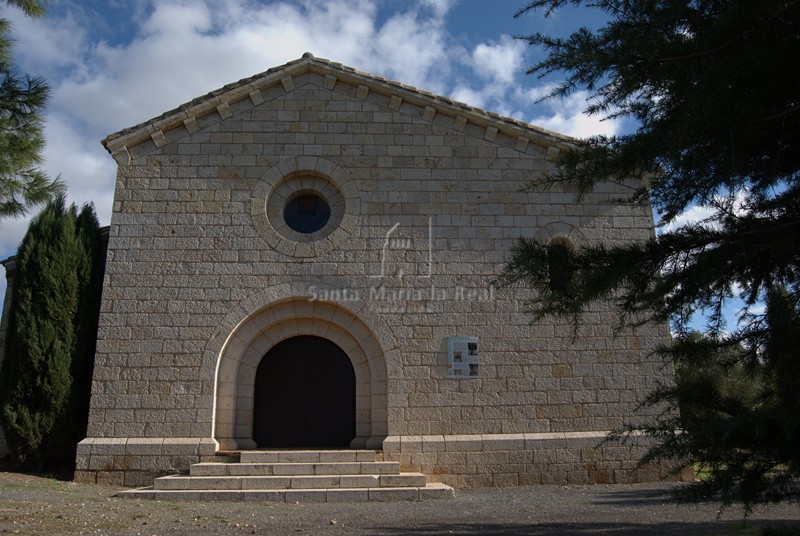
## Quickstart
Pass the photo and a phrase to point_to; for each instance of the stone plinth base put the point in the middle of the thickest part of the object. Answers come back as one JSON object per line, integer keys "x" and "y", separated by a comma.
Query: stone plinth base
{"x": 494, "y": 460}
{"x": 461, "y": 461}
{"x": 136, "y": 461}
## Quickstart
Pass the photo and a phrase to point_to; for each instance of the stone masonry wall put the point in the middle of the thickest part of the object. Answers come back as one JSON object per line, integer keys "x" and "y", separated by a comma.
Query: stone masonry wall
{"x": 431, "y": 205}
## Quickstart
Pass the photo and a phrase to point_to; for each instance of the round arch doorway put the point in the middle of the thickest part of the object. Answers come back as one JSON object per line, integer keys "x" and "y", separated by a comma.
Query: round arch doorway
{"x": 304, "y": 395}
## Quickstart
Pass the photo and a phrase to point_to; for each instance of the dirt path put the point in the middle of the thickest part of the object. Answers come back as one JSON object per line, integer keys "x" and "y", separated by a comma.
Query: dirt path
{"x": 38, "y": 505}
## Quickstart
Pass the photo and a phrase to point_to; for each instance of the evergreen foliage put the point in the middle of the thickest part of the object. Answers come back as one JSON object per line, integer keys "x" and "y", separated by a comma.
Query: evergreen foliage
{"x": 714, "y": 87}
{"x": 737, "y": 426}
{"x": 49, "y": 354}
{"x": 22, "y": 102}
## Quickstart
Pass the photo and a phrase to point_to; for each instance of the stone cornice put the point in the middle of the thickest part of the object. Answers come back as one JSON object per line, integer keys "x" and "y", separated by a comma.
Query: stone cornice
{"x": 516, "y": 134}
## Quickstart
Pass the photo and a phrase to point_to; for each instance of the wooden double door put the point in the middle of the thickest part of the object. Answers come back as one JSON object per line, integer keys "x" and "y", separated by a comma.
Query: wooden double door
{"x": 304, "y": 396}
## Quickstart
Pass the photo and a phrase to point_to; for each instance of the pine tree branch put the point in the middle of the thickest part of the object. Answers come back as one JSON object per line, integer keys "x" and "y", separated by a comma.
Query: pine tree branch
{"x": 744, "y": 34}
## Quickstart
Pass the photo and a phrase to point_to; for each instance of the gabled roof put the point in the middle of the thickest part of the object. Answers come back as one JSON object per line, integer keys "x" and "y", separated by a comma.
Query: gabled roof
{"x": 398, "y": 96}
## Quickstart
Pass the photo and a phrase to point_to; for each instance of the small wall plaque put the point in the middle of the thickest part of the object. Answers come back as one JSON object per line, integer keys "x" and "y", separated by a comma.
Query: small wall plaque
{"x": 463, "y": 359}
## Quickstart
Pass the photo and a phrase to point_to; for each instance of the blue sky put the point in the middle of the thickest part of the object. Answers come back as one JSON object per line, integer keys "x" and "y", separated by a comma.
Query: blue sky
{"x": 115, "y": 63}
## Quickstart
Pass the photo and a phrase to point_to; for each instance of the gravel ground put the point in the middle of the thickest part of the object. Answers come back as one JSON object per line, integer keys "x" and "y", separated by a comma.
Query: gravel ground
{"x": 34, "y": 504}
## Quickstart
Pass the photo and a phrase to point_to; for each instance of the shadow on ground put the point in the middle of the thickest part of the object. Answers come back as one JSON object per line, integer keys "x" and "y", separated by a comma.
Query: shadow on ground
{"x": 638, "y": 497}
{"x": 63, "y": 474}
{"x": 665, "y": 529}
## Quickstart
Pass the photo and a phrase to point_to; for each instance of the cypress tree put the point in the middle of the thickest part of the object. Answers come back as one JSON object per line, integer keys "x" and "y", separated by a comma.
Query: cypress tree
{"x": 47, "y": 366}
{"x": 90, "y": 274}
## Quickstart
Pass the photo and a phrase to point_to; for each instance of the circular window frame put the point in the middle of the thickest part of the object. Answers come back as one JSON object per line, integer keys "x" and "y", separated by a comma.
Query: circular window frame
{"x": 298, "y": 176}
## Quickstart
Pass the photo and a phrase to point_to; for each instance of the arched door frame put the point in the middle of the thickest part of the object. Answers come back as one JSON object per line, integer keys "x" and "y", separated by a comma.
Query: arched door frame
{"x": 290, "y": 316}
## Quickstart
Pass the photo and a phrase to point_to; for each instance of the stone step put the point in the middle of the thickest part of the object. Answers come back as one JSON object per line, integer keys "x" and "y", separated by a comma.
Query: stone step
{"x": 279, "y": 469}
{"x": 294, "y": 476}
{"x": 306, "y": 456}
{"x": 226, "y": 483}
{"x": 429, "y": 491}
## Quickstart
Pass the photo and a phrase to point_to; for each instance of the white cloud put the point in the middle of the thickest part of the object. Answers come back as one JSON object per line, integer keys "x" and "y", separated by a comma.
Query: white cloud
{"x": 413, "y": 51}
{"x": 178, "y": 21}
{"x": 567, "y": 116}
{"x": 704, "y": 213}
{"x": 83, "y": 163}
{"x": 537, "y": 93}
{"x": 500, "y": 62}
{"x": 439, "y": 7}
{"x": 496, "y": 66}
{"x": 46, "y": 46}
{"x": 694, "y": 214}
{"x": 471, "y": 96}
{"x": 11, "y": 233}
{"x": 180, "y": 54}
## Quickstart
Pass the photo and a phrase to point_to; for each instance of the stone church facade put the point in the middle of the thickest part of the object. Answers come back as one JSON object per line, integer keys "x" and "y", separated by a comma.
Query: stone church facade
{"x": 306, "y": 258}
